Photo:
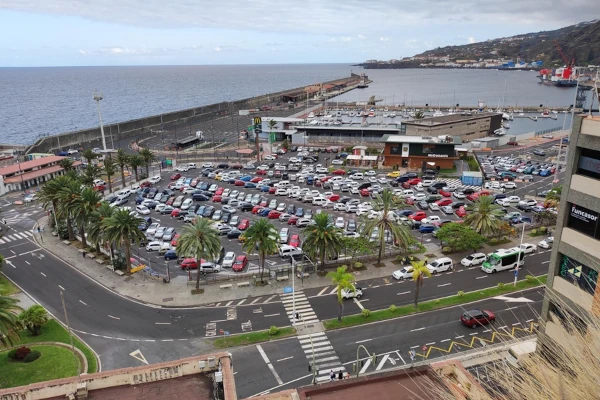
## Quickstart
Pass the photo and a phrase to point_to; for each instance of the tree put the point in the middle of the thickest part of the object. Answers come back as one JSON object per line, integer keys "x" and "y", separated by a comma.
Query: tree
{"x": 343, "y": 280}
{"x": 460, "y": 237}
{"x": 419, "y": 115}
{"x": 285, "y": 144}
{"x": 420, "y": 272}
{"x": 386, "y": 222}
{"x": 357, "y": 245}
{"x": 547, "y": 218}
{"x": 135, "y": 162}
{"x": 122, "y": 160}
{"x": 50, "y": 192}
{"x": 322, "y": 238}
{"x": 89, "y": 155}
{"x": 68, "y": 196}
{"x": 34, "y": 318}
{"x": 9, "y": 323}
{"x": 90, "y": 173}
{"x": 122, "y": 227}
{"x": 110, "y": 168}
{"x": 553, "y": 197}
{"x": 96, "y": 229}
{"x": 149, "y": 157}
{"x": 199, "y": 240}
{"x": 66, "y": 164}
{"x": 486, "y": 216}
{"x": 262, "y": 237}
{"x": 83, "y": 208}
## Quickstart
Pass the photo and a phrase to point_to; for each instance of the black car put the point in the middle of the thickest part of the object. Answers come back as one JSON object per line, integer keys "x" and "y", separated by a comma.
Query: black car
{"x": 344, "y": 199}
{"x": 291, "y": 209}
{"x": 423, "y": 205}
{"x": 468, "y": 191}
{"x": 294, "y": 148}
{"x": 152, "y": 204}
{"x": 351, "y": 226}
{"x": 234, "y": 233}
{"x": 225, "y": 217}
{"x": 208, "y": 211}
{"x": 246, "y": 207}
{"x": 432, "y": 190}
{"x": 394, "y": 183}
{"x": 199, "y": 197}
{"x": 524, "y": 207}
{"x": 458, "y": 204}
{"x": 203, "y": 186}
{"x": 225, "y": 200}
{"x": 224, "y": 166}
{"x": 231, "y": 181}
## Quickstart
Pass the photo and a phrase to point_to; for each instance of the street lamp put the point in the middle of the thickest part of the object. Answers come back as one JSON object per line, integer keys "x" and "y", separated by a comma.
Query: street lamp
{"x": 98, "y": 97}
{"x": 292, "y": 261}
{"x": 519, "y": 257}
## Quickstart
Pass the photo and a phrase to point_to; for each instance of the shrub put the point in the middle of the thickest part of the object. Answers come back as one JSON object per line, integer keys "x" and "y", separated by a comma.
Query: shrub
{"x": 438, "y": 301}
{"x": 501, "y": 286}
{"x": 543, "y": 229}
{"x": 460, "y": 293}
{"x": 446, "y": 249}
{"x": 400, "y": 259}
{"x": 358, "y": 265}
{"x": 493, "y": 241}
{"x": 32, "y": 356}
{"x": 534, "y": 231}
{"x": 12, "y": 354}
{"x": 393, "y": 308}
{"x": 22, "y": 352}
{"x": 365, "y": 313}
{"x": 273, "y": 330}
{"x": 530, "y": 278}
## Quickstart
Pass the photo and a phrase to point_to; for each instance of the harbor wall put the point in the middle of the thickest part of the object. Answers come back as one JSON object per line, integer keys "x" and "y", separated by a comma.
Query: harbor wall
{"x": 140, "y": 126}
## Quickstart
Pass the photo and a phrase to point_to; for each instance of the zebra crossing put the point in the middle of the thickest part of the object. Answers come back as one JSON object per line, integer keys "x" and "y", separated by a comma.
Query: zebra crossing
{"x": 303, "y": 307}
{"x": 16, "y": 236}
{"x": 318, "y": 350}
{"x": 458, "y": 183}
{"x": 15, "y": 216}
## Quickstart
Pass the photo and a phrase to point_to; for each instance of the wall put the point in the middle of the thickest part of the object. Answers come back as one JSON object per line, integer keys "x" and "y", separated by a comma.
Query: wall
{"x": 466, "y": 130}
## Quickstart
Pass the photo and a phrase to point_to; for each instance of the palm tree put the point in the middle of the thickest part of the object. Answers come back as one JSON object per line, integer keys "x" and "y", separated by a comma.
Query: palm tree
{"x": 83, "y": 208}
{"x": 122, "y": 227}
{"x": 68, "y": 197}
{"x": 199, "y": 240}
{"x": 9, "y": 322}
{"x": 420, "y": 272}
{"x": 385, "y": 222}
{"x": 96, "y": 229}
{"x": 122, "y": 160}
{"x": 110, "y": 168}
{"x": 90, "y": 173}
{"x": 322, "y": 238}
{"x": 66, "y": 164}
{"x": 89, "y": 155}
{"x": 272, "y": 124}
{"x": 149, "y": 157}
{"x": 135, "y": 161}
{"x": 342, "y": 280}
{"x": 33, "y": 318}
{"x": 50, "y": 192}
{"x": 261, "y": 237}
{"x": 419, "y": 115}
{"x": 486, "y": 216}
{"x": 553, "y": 197}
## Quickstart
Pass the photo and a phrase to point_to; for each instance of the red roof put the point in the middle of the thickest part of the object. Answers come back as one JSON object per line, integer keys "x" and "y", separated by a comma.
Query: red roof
{"x": 13, "y": 169}
{"x": 37, "y": 173}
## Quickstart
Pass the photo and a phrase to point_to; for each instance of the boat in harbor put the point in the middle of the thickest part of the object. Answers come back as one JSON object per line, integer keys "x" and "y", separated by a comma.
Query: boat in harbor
{"x": 506, "y": 126}
{"x": 500, "y": 132}
{"x": 561, "y": 77}
{"x": 438, "y": 113}
{"x": 392, "y": 115}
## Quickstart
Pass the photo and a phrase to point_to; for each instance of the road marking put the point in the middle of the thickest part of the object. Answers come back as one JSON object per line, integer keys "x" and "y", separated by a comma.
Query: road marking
{"x": 445, "y": 284}
{"x": 545, "y": 262}
{"x": 403, "y": 293}
{"x": 113, "y": 317}
{"x": 375, "y": 287}
{"x": 445, "y": 340}
{"x": 162, "y": 323}
{"x": 382, "y": 362}
{"x": 487, "y": 330}
{"x": 363, "y": 341}
{"x": 414, "y": 347}
{"x": 418, "y": 329}
{"x": 510, "y": 308}
{"x": 266, "y": 359}
{"x": 364, "y": 368}
{"x": 287, "y": 358}
{"x": 167, "y": 340}
{"x": 229, "y": 303}
{"x": 529, "y": 320}
{"x": 323, "y": 290}
{"x": 459, "y": 337}
{"x": 139, "y": 356}
{"x": 61, "y": 287}
{"x": 241, "y": 302}
{"x": 43, "y": 274}
{"x": 473, "y": 334}
{"x": 429, "y": 344}
{"x": 481, "y": 277}
{"x": 27, "y": 262}
{"x": 503, "y": 327}
{"x": 271, "y": 315}
{"x": 269, "y": 299}
{"x": 255, "y": 300}
{"x": 333, "y": 291}
{"x": 12, "y": 251}
{"x": 82, "y": 303}
{"x": 516, "y": 323}
{"x": 217, "y": 305}
{"x": 358, "y": 304}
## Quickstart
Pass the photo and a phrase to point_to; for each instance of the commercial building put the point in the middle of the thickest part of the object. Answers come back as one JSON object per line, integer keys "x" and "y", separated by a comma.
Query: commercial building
{"x": 419, "y": 152}
{"x": 279, "y": 129}
{"x": 466, "y": 127}
{"x": 575, "y": 262}
{"x": 29, "y": 174}
{"x": 344, "y": 134}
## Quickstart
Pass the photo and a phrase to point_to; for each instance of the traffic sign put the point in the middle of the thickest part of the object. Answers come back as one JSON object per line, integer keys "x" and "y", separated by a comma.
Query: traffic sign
{"x": 288, "y": 289}
{"x": 250, "y": 128}
{"x": 257, "y": 121}
{"x": 258, "y": 128}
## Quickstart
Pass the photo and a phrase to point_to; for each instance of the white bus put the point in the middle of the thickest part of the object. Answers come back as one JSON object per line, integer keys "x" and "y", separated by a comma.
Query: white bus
{"x": 500, "y": 261}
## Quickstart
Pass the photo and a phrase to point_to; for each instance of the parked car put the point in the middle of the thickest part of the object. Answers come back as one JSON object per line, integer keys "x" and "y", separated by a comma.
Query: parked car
{"x": 440, "y": 265}
{"x": 404, "y": 273}
{"x": 473, "y": 259}
{"x": 546, "y": 243}
{"x": 350, "y": 294}
{"x": 240, "y": 263}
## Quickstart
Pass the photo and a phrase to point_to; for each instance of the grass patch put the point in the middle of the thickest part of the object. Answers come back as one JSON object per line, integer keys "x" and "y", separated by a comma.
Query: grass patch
{"x": 52, "y": 331}
{"x": 55, "y": 363}
{"x": 496, "y": 241}
{"x": 6, "y": 287}
{"x": 252, "y": 337}
{"x": 399, "y": 311}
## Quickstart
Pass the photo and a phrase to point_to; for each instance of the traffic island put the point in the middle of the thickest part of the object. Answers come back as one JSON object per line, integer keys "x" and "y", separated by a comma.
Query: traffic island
{"x": 244, "y": 339}
{"x": 460, "y": 298}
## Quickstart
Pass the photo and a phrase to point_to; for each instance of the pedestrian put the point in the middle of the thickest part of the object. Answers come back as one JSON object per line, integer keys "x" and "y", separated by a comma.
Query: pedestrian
{"x": 83, "y": 253}
{"x": 331, "y": 376}
{"x": 340, "y": 375}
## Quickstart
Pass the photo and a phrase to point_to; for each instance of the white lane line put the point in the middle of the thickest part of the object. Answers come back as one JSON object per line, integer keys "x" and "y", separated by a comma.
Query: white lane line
{"x": 473, "y": 334}
{"x": 487, "y": 330}
{"x": 167, "y": 340}
{"x": 27, "y": 262}
{"x": 400, "y": 357}
{"x": 545, "y": 262}
{"x": 269, "y": 299}
{"x": 510, "y": 308}
{"x": 364, "y": 368}
{"x": 241, "y": 302}
{"x": 82, "y": 303}
{"x": 61, "y": 287}
{"x": 502, "y": 327}
{"x": 162, "y": 323}
{"x": 418, "y": 329}
{"x": 113, "y": 317}
{"x": 43, "y": 274}
{"x": 516, "y": 323}
{"x": 414, "y": 347}
{"x": 271, "y": 315}
{"x": 445, "y": 284}
{"x": 255, "y": 300}
{"x": 229, "y": 303}
{"x": 266, "y": 359}
{"x": 287, "y": 358}
{"x": 481, "y": 277}
{"x": 529, "y": 320}
{"x": 459, "y": 337}
{"x": 375, "y": 287}
{"x": 12, "y": 251}
{"x": 399, "y": 294}
{"x": 323, "y": 291}
{"x": 358, "y": 304}
{"x": 382, "y": 362}
{"x": 429, "y": 344}
{"x": 445, "y": 340}
{"x": 363, "y": 341}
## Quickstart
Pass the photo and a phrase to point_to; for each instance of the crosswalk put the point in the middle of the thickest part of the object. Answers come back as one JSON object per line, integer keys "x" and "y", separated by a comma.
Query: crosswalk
{"x": 302, "y": 307}
{"x": 16, "y": 236}
{"x": 14, "y": 216}
{"x": 321, "y": 355}
{"x": 458, "y": 183}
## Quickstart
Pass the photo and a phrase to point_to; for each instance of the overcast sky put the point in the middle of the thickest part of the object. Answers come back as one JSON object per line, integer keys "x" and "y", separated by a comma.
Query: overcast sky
{"x": 159, "y": 32}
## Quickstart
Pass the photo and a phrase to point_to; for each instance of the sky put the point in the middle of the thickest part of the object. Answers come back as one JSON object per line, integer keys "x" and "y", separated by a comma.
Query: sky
{"x": 195, "y": 32}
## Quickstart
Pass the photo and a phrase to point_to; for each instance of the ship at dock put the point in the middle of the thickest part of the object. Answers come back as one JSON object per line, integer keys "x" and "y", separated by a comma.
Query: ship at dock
{"x": 561, "y": 77}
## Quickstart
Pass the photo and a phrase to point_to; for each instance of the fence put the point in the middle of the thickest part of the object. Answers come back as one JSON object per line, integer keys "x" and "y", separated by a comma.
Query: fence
{"x": 540, "y": 133}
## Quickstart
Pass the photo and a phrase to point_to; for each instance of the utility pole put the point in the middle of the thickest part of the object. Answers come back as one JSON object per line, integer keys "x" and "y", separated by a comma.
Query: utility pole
{"x": 98, "y": 97}
{"x": 62, "y": 299}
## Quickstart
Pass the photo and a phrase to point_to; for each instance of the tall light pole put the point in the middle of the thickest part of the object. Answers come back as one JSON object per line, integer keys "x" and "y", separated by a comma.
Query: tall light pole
{"x": 98, "y": 97}
{"x": 519, "y": 257}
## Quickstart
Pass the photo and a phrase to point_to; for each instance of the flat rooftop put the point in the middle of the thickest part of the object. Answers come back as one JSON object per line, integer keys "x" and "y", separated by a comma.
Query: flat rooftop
{"x": 414, "y": 139}
{"x": 354, "y": 127}
{"x": 448, "y": 119}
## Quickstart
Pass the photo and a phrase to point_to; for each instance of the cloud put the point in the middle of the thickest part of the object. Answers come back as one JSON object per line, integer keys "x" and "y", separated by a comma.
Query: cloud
{"x": 361, "y": 37}
{"x": 384, "y": 39}
{"x": 471, "y": 39}
{"x": 346, "y": 39}
{"x": 217, "y": 49}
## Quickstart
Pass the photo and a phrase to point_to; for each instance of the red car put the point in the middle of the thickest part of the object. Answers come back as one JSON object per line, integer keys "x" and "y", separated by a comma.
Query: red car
{"x": 256, "y": 209}
{"x": 318, "y": 182}
{"x": 406, "y": 185}
{"x": 217, "y": 198}
{"x": 170, "y": 201}
{"x": 334, "y": 197}
{"x": 194, "y": 182}
{"x": 444, "y": 202}
{"x": 445, "y": 194}
{"x": 237, "y": 166}
{"x": 175, "y": 212}
{"x": 419, "y": 215}
{"x": 414, "y": 181}
{"x": 325, "y": 179}
{"x": 476, "y": 318}
{"x": 410, "y": 201}
{"x": 293, "y": 219}
{"x": 145, "y": 184}
{"x": 189, "y": 263}
{"x": 261, "y": 172}
{"x": 339, "y": 172}
{"x": 243, "y": 225}
{"x": 365, "y": 192}
{"x": 473, "y": 196}
{"x": 174, "y": 241}
{"x": 240, "y": 263}
{"x": 174, "y": 177}
{"x": 239, "y": 183}
{"x": 256, "y": 179}
{"x": 99, "y": 188}
{"x": 294, "y": 240}
{"x": 460, "y": 212}
{"x": 273, "y": 214}
{"x": 483, "y": 193}
{"x": 272, "y": 190}
{"x": 513, "y": 143}
{"x": 219, "y": 191}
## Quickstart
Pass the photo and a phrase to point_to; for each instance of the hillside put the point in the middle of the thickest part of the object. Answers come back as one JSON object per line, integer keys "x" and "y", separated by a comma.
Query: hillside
{"x": 581, "y": 41}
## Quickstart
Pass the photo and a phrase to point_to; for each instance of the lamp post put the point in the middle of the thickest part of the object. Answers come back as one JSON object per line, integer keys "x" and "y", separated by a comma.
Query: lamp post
{"x": 62, "y": 299}
{"x": 168, "y": 271}
{"x": 98, "y": 97}
{"x": 292, "y": 261}
{"x": 519, "y": 257}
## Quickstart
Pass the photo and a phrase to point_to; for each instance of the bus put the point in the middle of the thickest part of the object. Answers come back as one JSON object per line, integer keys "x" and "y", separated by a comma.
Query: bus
{"x": 507, "y": 259}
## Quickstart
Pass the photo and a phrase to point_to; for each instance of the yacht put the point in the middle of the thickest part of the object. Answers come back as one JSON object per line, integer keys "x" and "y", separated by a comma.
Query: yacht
{"x": 386, "y": 115}
{"x": 392, "y": 115}
{"x": 352, "y": 114}
{"x": 438, "y": 113}
{"x": 500, "y": 132}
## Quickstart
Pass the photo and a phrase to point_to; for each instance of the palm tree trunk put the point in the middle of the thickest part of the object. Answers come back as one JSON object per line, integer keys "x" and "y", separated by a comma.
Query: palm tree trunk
{"x": 198, "y": 273}
{"x": 83, "y": 241}
{"x": 340, "y": 310}
{"x": 147, "y": 170}
{"x": 109, "y": 183}
{"x": 381, "y": 246}
{"x": 323, "y": 260}
{"x": 418, "y": 287}
{"x": 136, "y": 174}
{"x": 70, "y": 229}
{"x": 127, "y": 243}
{"x": 261, "y": 261}
{"x": 97, "y": 248}
{"x": 123, "y": 177}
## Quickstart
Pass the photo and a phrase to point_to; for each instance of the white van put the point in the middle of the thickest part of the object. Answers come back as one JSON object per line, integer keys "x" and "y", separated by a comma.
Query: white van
{"x": 319, "y": 201}
{"x": 191, "y": 165}
{"x": 516, "y": 352}
{"x": 283, "y": 185}
{"x": 289, "y": 251}
{"x": 407, "y": 193}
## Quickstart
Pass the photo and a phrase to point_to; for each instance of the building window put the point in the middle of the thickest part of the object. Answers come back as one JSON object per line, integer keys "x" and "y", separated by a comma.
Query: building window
{"x": 396, "y": 149}
{"x": 583, "y": 220}
{"x": 579, "y": 274}
{"x": 589, "y": 163}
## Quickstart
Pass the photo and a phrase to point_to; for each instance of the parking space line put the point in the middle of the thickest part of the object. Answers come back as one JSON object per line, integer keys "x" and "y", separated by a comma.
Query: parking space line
{"x": 255, "y": 300}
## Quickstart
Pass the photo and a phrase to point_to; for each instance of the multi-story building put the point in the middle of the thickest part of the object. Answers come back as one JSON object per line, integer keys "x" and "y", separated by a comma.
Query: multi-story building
{"x": 575, "y": 262}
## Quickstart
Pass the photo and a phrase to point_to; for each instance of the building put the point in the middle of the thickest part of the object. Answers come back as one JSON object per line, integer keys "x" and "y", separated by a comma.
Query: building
{"x": 345, "y": 134}
{"x": 575, "y": 261}
{"x": 467, "y": 127}
{"x": 419, "y": 152}
{"x": 29, "y": 174}
{"x": 282, "y": 128}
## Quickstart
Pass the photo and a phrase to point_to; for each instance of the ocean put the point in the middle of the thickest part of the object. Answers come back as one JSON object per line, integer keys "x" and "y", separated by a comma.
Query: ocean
{"x": 45, "y": 101}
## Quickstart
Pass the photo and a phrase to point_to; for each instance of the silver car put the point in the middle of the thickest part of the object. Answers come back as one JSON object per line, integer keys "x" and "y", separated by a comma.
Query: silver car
{"x": 159, "y": 233}
{"x": 169, "y": 233}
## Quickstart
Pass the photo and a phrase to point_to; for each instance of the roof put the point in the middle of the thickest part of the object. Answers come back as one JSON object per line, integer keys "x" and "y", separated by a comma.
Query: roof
{"x": 476, "y": 174}
{"x": 13, "y": 169}
{"x": 413, "y": 139}
{"x": 282, "y": 119}
{"x": 37, "y": 173}
{"x": 188, "y": 139}
{"x": 354, "y": 127}
{"x": 449, "y": 119}
{"x": 364, "y": 158}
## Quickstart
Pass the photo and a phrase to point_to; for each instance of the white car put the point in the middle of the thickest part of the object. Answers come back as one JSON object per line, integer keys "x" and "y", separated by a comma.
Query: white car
{"x": 229, "y": 209}
{"x": 160, "y": 207}
{"x": 434, "y": 207}
{"x": 419, "y": 196}
{"x": 440, "y": 265}
{"x": 528, "y": 248}
{"x": 302, "y": 222}
{"x": 188, "y": 190}
{"x": 187, "y": 203}
{"x": 336, "y": 162}
{"x": 548, "y": 136}
{"x": 155, "y": 179}
{"x": 207, "y": 165}
{"x": 350, "y": 294}
{"x": 473, "y": 259}
{"x": 228, "y": 260}
{"x": 270, "y": 157}
{"x": 509, "y": 185}
{"x": 357, "y": 176}
{"x": 546, "y": 243}
{"x": 528, "y": 202}
{"x": 154, "y": 246}
{"x": 431, "y": 219}
{"x": 339, "y": 207}
{"x": 459, "y": 195}
{"x": 72, "y": 151}
{"x": 30, "y": 197}
{"x": 152, "y": 229}
{"x": 514, "y": 199}
{"x": 143, "y": 210}
{"x": 503, "y": 202}
{"x": 351, "y": 208}
{"x": 492, "y": 185}
{"x": 182, "y": 168}
{"x": 281, "y": 192}
{"x": 404, "y": 273}
{"x": 340, "y": 223}
{"x": 370, "y": 173}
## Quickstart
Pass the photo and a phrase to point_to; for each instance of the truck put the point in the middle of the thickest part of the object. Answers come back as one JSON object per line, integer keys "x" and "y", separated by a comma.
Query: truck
{"x": 503, "y": 260}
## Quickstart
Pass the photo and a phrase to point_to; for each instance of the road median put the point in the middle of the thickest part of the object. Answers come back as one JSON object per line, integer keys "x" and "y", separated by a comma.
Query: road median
{"x": 460, "y": 298}
{"x": 244, "y": 339}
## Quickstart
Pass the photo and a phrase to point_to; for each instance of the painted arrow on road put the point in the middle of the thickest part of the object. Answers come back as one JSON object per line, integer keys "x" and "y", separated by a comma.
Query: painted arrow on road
{"x": 513, "y": 299}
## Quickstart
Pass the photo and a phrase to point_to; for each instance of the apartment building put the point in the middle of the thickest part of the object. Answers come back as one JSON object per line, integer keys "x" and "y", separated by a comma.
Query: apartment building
{"x": 575, "y": 261}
